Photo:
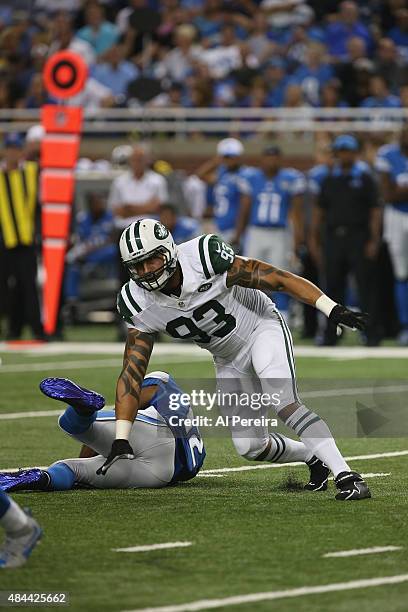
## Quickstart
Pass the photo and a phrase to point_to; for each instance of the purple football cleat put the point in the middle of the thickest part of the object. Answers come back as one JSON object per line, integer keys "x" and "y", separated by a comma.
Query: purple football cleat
{"x": 24, "y": 480}
{"x": 69, "y": 392}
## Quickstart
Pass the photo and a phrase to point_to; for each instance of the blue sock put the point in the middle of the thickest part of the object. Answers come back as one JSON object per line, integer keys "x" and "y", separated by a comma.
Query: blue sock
{"x": 4, "y": 503}
{"x": 282, "y": 301}
{"x": 74, "y": 423}
{"x": 62, "y": 477}
{"x": 401, "y": 298}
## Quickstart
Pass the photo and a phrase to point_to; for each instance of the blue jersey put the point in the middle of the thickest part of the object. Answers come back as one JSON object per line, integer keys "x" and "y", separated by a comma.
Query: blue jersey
{"x": 226, "y": 196}
{"x": 189, "y": 450}
{"x": 276, "y": 96}
{"x": 315, "y": 178}
{"x": 393, "y": 162}
{"x": 186, "y": 228}
{"x": 97, "y": 235}
{"x": 88, "y": 229}
{"x": 387, "y": 102}
{"x": 312, "y": 81}
{"x": 272, "y": 197}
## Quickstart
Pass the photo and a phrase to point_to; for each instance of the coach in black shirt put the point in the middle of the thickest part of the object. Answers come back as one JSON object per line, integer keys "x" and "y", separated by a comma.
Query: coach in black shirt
{"x": 346, "y": 230}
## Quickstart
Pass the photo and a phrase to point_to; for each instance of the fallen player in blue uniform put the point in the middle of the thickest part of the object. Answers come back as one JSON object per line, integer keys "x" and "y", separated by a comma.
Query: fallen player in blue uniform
{"x": 166, "y": 451}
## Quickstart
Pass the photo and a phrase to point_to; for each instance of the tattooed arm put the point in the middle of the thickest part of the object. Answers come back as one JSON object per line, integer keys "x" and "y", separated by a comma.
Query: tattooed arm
{"x": 138, "y": 349}
{"x": 260, "y": 275}
{"x": 139, "y": 346}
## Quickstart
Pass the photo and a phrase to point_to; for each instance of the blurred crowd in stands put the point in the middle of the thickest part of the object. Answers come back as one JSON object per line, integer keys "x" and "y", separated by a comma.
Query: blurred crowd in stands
{"x": 211, "y": 53}
{"x": 343, "y": 223}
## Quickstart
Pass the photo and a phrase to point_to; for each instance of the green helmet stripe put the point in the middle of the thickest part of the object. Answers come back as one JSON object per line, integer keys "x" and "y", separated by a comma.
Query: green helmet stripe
{"x": 139, "y": 243}
{"x": 128, "y": 243}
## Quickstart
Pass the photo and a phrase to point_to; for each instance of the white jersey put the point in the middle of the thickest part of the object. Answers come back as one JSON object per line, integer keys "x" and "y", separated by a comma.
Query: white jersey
{"x": 217, "y": 318}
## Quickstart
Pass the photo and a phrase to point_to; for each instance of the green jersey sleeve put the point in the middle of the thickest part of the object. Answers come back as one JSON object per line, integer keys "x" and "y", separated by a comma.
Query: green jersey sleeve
{"x": 216, "y": 255}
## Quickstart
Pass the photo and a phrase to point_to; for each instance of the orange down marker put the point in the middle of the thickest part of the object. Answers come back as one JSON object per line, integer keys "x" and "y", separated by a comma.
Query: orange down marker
{"x": 65, "y": 75}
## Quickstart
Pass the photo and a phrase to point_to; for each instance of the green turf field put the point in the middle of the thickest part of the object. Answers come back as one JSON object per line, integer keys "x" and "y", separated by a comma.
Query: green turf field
{"x": 250, "y": 532}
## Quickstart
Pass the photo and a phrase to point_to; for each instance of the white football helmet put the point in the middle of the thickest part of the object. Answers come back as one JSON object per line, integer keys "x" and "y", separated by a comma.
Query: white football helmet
{"x": 143, "y": 239}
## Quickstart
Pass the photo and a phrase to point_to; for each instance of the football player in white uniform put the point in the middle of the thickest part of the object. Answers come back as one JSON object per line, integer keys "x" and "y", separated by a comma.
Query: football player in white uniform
{"x": 202, "y": 291}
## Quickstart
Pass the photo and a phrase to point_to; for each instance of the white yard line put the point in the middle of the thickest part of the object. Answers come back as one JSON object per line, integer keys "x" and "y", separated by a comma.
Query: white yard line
{"x": 208, "y": 604}
{"x": 353, "y": 391}
{"x": 246, "y": 468}
{"x": 89, "y": 363}
{"x": 149, "y": 547}
{"x": 187, "y": 349}
{"x": 372, "y": 475}
{"x": 29, "y": 467}
{"x": 363, "y": 551}
{"x": 266, "y": 466}
{"x": 369, "y": 475}
{"x": 59, "y": 365}
{"x": 9, "y": 416}
{"x": 377, "y": 455}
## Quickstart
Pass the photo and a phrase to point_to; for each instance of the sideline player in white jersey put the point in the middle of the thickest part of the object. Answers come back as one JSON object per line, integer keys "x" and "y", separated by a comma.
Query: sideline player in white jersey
{"x": 202, "y": 291}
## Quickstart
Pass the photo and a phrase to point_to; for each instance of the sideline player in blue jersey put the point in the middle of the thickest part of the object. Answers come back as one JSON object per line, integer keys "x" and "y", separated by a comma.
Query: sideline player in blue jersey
{"x": 392, "y": 165}
{"x": 274, "y": 215}
{"x": 229, "y": 186}
{"x": 167, "y": 447}
{"x": 22, "y": 533}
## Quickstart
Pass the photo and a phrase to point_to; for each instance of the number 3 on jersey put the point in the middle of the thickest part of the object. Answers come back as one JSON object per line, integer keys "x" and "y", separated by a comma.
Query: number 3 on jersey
{"x": 177, "y": 326}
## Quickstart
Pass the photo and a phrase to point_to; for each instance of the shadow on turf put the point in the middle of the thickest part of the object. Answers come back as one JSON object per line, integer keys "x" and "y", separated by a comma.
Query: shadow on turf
{"x": 291, "y": 485}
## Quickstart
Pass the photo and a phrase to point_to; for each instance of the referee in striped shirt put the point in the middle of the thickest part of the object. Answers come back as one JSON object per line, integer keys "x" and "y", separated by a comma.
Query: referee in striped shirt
{"x": 19, "y": 213}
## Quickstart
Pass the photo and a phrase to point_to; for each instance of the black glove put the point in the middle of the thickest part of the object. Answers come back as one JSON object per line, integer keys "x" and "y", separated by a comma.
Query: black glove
{"x": 121, "y": 449}
{"x": 340, "y": 315}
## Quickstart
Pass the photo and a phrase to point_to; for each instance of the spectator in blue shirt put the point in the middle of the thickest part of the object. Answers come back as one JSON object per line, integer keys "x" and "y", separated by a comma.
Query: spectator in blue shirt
{"x": 277, "y": 80}
{"x": 314, "y": 73}
{"x": 98, "y": 32}
{"x": 399, "y": 33}
{"x": 116, "y": 72}
{"x": 347, "y": 25}
{"x": 380, "y": 95}
{"x": 94, "y": 246}
{"x": 210, "y": 21}
{"x": 330, "y": 97}
{"x": 37, "y": 95}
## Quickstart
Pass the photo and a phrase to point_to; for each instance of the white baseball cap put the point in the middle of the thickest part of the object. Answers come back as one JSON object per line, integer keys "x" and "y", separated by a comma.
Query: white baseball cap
{"x": 230, "y": 147}
{"x": 35, "y": 133}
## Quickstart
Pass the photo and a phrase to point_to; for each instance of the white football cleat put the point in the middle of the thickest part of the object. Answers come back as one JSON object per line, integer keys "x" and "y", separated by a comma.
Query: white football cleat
{"x": 18, "y": 547}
